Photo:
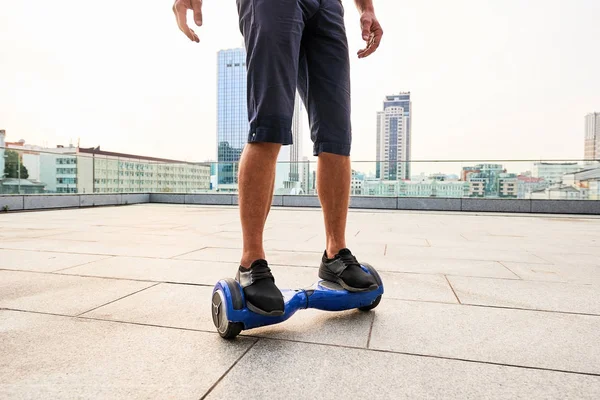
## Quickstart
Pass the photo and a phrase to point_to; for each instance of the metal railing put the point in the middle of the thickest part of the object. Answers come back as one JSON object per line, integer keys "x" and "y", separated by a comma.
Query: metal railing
{"x": 70, "y": 170}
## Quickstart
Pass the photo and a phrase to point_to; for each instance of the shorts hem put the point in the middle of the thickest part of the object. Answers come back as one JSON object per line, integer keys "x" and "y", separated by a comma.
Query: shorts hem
{"x": 330, "y": 147}
{"x": 270, "y": 135}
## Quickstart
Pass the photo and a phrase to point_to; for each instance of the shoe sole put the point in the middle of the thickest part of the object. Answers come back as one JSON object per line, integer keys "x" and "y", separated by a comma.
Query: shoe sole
{"x": 254, "y": 309}
{"x": 328, "y": 276}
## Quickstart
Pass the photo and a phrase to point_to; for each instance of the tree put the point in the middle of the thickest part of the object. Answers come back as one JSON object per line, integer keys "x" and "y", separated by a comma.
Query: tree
{"x": 11, "y": 165}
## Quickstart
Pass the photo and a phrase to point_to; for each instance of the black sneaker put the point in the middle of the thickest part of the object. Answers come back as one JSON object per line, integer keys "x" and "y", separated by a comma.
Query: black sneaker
{"x": 345, "y": 270}
{"x": 262, "y": 296}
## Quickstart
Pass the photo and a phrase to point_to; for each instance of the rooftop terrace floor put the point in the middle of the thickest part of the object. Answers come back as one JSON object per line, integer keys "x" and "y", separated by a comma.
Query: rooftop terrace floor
{"x": 114, "y": 302}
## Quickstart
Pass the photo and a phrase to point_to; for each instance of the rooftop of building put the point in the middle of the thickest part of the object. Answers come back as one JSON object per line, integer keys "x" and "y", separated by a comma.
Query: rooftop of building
{"x": 114, "y": 302}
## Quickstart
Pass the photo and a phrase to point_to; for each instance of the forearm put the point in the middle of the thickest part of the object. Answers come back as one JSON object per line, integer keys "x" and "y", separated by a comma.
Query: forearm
{"x": 364, "y": 5}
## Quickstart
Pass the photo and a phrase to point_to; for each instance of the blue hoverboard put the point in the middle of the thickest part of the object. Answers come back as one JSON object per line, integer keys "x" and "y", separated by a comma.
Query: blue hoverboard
{"x": 231, "y": 316}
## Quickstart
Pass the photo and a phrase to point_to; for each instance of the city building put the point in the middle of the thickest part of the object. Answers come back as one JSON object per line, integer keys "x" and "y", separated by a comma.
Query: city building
{"x": 526, "y": 185}
{"x": 74, "y": 169}
{"x": 293, "y": 153}
{"x": 560, "y": 191}
{"x": 232, "y": 114}
{"x": 554, "y": 172}
{"x": 484, "y": 180}
{"x": 433, "y": 188}
{"x": 508, "y": 185}
{"x": 356, "y": 183}
{"x": 288, "y": 174}
{"x": 233, "y": 126}
{"x": 308, "y": 178}
{"x": 592, "y": 137}
{"x": 426, "y": 188}
{"x": 394, "y": 138}
{"x": 20, "y": 186}
{"x": 113, "y": 172}
{"x": 2, "y": 151}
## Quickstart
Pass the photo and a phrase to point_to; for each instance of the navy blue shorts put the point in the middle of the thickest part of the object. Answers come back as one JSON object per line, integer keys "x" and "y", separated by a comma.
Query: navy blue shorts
{"x": 297, "y": 44}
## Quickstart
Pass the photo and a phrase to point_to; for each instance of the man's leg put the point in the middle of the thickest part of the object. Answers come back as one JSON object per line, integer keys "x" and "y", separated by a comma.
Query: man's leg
{"x": 333, "y": 188}
{"x": 256, "y": 182}
{"x": 324, "y": 82}
{"x": 272, "y": 33}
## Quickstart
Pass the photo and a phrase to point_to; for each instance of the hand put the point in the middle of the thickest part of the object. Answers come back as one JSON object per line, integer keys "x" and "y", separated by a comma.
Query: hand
{"x": 180, "y": 8}
{"x": 371, "y": 33}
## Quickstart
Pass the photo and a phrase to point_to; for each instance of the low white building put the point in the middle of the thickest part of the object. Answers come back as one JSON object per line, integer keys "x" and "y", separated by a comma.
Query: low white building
{"x": 554, "y": 172}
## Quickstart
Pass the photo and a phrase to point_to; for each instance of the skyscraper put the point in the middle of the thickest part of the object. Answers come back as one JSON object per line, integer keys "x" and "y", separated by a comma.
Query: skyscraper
{"x": 232, "y": 112}
{"x": 394, "y": 137}
{"x": 293, "y": 154}
{"x": 592, "y": 136}
{"x": 2, "y": 151}
{"x": 232, "y": 120}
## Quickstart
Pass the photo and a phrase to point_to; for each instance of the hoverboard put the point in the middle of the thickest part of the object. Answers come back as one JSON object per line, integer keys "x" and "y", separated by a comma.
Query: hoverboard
{"x": 231, "y": 315}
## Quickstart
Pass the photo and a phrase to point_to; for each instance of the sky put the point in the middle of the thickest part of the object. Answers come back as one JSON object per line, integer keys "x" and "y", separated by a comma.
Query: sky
{"x": 490, "y": 80}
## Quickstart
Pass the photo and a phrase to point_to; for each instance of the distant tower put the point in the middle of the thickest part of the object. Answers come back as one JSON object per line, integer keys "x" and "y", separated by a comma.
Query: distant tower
{"x": 592, "y": 137}
{"x": 232, "y": 112}
{"x": 293, "y": 153}
{"x": 394, "y": 138}
{"x": 2, "y": 152}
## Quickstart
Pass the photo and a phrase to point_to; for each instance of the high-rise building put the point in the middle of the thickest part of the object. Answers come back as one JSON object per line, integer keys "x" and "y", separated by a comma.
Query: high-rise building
{"x": 233, "y": 126}
{"x": 291, "y": 155}
{"x": 2, "y": 151}
{"x": 592, "y": 136}
{"x": 232, "y": 112}
{"x": 394, "y": 138}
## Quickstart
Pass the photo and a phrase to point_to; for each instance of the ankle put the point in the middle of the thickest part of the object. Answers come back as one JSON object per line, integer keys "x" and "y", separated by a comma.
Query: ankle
{"x": 333, "y": 249}
{"x": 249, "y": 257}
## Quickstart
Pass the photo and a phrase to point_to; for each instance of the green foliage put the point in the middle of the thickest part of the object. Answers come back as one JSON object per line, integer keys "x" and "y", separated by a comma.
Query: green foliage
{"x": 11, "y": 164}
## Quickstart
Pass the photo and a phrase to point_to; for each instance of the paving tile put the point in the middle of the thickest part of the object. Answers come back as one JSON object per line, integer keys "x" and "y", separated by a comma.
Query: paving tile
{"x": 285, "y": 370}
{"x": 60, "y": 294}
{"x": 417, "y": 287}
{"x": 86, "y": 246}
{"x": 516, "y": 337}
{"x": 549, "y": 296}
{"x": 169, "y": 305}
{"x": 443, "y": 266}
{"x": 156, "y": 269}
{"x": 582, "y": 274}
{"x": 182, "y": 306}
{"x": 55, "y": 357}
{"x": 570, "y": 258}
{"x": 42, "y": 261}
{"x": 342, "y": 328}
{"x": 464, "y": 253}
{"x": 310, "y": 259}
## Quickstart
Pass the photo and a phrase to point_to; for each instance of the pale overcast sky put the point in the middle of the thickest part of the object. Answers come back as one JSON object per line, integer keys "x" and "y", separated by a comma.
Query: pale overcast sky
{"x": 490, "y": 79}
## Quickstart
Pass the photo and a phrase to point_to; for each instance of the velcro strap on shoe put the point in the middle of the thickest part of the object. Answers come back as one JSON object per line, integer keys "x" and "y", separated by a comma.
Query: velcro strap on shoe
{"x": 337, "y": 267}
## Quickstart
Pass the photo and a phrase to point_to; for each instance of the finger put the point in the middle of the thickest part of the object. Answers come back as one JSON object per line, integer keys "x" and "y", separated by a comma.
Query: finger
{"x": 373, "y": 44}
{"x": 180, "y": 14}
{"x": 180, "y": 11}
{"x": 197, "y": 7}
{"x": 366, "y": 29}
